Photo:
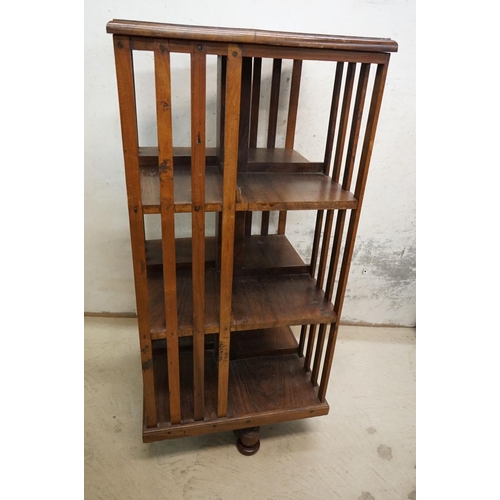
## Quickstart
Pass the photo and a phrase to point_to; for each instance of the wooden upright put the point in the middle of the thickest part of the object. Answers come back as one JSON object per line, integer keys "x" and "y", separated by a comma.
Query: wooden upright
{"x": 215, "y": 312}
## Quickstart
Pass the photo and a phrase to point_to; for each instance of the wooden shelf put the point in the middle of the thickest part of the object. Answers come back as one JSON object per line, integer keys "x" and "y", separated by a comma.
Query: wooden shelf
{"x": 279, "y": 160}
{"x": 254, "y": 255}
{"x": 259, "y": 343}
{"x": 183, "y": 253}
{"x": 150, "y": 189}
{"x": 258, "y": 302}
{"x": 245, "y": 344}
{"x": 291, "y": 191}
{"x": 259, "y": 159}
{"x": 261, "y": 390}
{"x": 275, "y": 179}
{"x": 269, "y": 254}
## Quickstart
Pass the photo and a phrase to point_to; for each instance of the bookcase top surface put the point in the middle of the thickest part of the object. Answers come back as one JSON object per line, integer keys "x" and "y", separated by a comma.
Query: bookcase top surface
{"x": 253, "y": 36}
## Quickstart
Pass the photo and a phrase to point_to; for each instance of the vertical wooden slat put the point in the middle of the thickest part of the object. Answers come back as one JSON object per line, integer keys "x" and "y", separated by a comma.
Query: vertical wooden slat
{"x": 317, "y": 236}
{"x": 291, "y": 123}
{"x": 274, "y": 103}
{"x": 310, "y": 347}
{"x": 264, "y": 225}
{"x": 376, "y": 102}
{"x": 318, "y": 354}
{"x": 293, "y": 103}
{"x": 302, "y": 340}
{"x": 198, "y": 107}
{"x": 282, "y": 222}
{"x": 272, "y": 125}
{"x": 324, "y": 249}
{"x": 327, "y": 364}
{"x": 246, "y": 87}
{"x": 355, "y": 125}
{"x": 330, "y": 137}
{"x": 221, "y": 105}
{"x": 344, "y": 118}
{"x": 128, "y": 119}
{"x": 248, "y": 223}
{"x": 233, "y": 91}
{"x": 254, "y": 112}
{"x": 166, "y": 171}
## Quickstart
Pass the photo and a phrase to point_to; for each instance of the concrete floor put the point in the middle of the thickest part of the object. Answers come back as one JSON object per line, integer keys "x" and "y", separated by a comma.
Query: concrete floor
{"x": 364, "y": 449}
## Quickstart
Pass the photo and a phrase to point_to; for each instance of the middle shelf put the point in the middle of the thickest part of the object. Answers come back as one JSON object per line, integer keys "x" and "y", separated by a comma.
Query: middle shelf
{"x": 257, "y": 302}
{"x": 271, "y": 287}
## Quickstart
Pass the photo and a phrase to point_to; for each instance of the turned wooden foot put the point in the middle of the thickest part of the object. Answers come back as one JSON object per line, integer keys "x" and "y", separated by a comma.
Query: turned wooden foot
{"x": 248, "y": 440}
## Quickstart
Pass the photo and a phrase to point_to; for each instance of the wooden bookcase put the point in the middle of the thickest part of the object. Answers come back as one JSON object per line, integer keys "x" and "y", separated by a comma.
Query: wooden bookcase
{"x": 215, "y": 312}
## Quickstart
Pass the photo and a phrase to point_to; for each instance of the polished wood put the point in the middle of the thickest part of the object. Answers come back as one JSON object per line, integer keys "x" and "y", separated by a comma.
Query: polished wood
{"x": 126, "y": 96}
{"x": 248, "y": 443}
{"x": 339, "y": 69}
{"x": 183, "y": 253}
{"x": 254, "y": 113}
{"x": 262, "y": 390}
{"x": 221, "y": 108}
{"x": 241, "y": 35}
{"x": 215, "y": 313}
{"x": 271, "y": 254}
{"x": 268, "y": 254}
{"x": 264, "y": 223}
{"x": 272, "y": 126}
{"x": 263, "y": 51}
{"x": 277, "y": 300}
{"x": 344, "y": 117}
{"x": 279, "y": 160}
{"x": 232, "y": 117}
{"x": 259, "y": 159}
{"x": 292, "y": 192}
{"x": 266, "y": 342}
{"x": 182, "y": 190}
{"x": 371, "y": 127}
{"x": 274, "y": 103}
{"x": 293, "y": 104}
{"x": 148, "y": 156}
{"x": 348, "y": 172}
{"x": 245, "y": 102}
{"x": 166, "y": 174}
{"x": 198, "y": 140}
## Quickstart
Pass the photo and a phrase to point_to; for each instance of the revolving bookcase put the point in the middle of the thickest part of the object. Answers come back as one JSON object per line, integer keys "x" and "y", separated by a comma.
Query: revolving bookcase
{"x": 216, "y": 311}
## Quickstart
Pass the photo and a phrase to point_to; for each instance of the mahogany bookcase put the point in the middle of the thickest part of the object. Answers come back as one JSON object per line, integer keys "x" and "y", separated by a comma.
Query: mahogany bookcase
{"x": 214, "y": 312}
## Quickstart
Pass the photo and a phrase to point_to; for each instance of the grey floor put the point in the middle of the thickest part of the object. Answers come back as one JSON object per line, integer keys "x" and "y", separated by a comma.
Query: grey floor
{"x": 364, "y": 449}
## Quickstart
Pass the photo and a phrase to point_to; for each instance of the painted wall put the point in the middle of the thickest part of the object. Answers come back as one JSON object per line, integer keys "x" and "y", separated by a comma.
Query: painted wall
{"x": 382, "y": 280}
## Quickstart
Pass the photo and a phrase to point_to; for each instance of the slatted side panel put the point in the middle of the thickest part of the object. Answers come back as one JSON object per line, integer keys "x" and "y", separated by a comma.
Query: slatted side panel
{"x": 333, "y": 132}
{"x": 166, "y": 170}
{"x": 128, "y": 118}
{"x": 327, "y": 231}
{"x": 198, "y": 141}
{"x": 364, "y": 161}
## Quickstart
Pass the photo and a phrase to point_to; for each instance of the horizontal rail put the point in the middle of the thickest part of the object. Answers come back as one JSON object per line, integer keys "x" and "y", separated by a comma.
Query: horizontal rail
{"x": 260, "y": 37}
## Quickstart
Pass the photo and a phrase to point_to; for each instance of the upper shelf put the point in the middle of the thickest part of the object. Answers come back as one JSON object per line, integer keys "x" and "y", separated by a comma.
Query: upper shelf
{"x": 253, "y": 36}
{"x": 275, "y": 179}
{"x": 290, "y": 191}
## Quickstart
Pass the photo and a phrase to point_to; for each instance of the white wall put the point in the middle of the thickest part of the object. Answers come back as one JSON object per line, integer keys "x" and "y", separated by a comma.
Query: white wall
{"x": 386, "y": 238}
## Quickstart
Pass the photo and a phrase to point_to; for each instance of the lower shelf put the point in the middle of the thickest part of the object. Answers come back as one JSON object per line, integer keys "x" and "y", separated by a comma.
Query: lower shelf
{"x": 262, "y": 391}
